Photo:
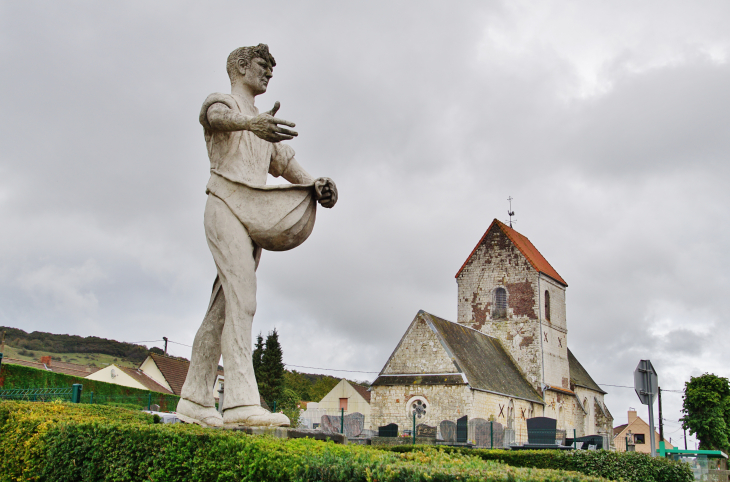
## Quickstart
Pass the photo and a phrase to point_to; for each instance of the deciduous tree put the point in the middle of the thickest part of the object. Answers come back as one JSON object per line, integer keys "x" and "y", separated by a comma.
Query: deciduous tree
{"x": 706, "y": 409}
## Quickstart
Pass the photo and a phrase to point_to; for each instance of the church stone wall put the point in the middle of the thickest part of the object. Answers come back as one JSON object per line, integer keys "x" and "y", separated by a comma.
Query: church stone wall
{"x": 391, "y": 404}
{"x": 419, "y": 351}
{"x": 497, "y": 263}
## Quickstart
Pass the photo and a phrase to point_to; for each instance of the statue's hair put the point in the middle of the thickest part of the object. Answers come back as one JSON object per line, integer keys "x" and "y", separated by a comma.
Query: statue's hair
{"x": 247, "y": 54}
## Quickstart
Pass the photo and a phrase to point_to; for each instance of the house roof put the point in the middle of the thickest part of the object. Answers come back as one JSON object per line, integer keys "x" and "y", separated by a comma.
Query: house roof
{"x": 72, "y": 368}
{"x": 619, "y": 429}
{"x": 25, "y": 363}
{"x": 55, "y": 366}
{"x": 149, "y": 383}
{"x": 579, "y": 376}
{"x": 528, "y": 250}
{"x": 481, "y": 358}
{"x": 364, "y": 392}
{"x": 174, "y": 370}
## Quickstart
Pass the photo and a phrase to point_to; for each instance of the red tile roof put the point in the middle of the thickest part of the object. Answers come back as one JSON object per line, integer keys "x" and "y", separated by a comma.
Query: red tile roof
{"x": 175, "y": 371}
{"x": 364, "y": 393}
{"x": 527, "y": 249}
{"x": 149, "y": 383}
{"x": 55, "y": 366}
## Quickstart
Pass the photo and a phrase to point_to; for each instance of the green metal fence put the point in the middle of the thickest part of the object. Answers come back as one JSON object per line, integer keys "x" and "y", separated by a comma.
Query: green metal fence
{"x": 69, "y": 394}
{"x": 75, "y": 394}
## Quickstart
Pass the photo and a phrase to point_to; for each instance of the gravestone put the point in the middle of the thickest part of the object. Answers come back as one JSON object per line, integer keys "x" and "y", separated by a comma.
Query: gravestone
{"x": 425, "y": 431}
{"x": 447, "y": 430}
{"x": 154, "y": 407}
{"x": 541, "y": 430}
{"x": 479, "y": 432}
{"x": 328, "y": 424}
{"x": 390, "y": 430}
{"x": 462, "y": 429}
{"x": 352, "y": 425}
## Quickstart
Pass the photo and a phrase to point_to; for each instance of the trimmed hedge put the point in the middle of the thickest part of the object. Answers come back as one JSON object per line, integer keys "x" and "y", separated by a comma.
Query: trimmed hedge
{"x": 18, "y": 376}
{"x": 65, "y": 442}
{"x": 628, "y": 466}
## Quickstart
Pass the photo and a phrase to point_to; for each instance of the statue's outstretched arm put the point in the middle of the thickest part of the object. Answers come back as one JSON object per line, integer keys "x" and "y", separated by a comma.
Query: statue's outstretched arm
{"x": 264, "y": 125}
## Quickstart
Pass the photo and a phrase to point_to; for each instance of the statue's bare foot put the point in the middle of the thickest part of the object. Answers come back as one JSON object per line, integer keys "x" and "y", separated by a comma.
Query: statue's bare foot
{"x": 190, "y": 412}
{"x": 254, "y": 416}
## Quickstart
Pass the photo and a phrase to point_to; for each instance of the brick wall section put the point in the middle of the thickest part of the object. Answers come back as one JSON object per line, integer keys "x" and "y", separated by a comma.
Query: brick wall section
{"x": 419, "y": 351}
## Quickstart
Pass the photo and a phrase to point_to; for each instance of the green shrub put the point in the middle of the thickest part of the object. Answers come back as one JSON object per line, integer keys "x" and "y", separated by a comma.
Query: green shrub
{"x": 18, "y": 376}
{"x": 70, "y": 442}
{"x": 629, "y": 466}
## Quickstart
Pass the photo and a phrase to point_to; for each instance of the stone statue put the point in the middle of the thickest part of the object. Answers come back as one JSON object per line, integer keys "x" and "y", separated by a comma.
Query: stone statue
{"x": 243, "y": 216}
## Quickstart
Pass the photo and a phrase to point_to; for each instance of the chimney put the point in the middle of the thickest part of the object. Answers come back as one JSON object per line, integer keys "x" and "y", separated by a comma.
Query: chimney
{"x": 46, "y": 360}
{"x": 632, "y": 414}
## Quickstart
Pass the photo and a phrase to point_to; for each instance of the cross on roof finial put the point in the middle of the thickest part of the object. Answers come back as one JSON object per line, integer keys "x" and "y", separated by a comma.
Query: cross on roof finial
{"x": 510, "y": 212}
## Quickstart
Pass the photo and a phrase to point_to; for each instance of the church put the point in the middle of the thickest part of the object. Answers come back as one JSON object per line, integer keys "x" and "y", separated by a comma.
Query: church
{"x": 507, "y": 357}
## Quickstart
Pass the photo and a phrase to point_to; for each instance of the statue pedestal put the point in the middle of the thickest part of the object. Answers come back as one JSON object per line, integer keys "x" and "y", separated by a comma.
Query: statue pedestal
{"x": 286, "y": 432}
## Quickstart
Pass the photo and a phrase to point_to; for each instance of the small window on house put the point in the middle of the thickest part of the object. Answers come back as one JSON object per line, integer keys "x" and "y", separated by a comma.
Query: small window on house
{"x": 547, "y": 305}
{"x": 343, "y": 403}
{"x": 639, "y": 438}
{"x": 500, "y": 303}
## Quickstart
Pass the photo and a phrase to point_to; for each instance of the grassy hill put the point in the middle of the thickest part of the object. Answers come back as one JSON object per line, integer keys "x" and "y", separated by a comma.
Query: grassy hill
{"x": 39, "y": 341}
{"x": 99, "y": 360}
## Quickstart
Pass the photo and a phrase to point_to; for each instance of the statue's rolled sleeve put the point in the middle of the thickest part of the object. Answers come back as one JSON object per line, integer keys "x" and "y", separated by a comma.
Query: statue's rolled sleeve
{"x": 280, "y": 159}
{"x": 216, "y": 98}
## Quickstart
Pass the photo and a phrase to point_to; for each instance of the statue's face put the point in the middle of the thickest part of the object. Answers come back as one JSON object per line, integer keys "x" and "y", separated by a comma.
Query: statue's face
{"x": 256, "y": 75}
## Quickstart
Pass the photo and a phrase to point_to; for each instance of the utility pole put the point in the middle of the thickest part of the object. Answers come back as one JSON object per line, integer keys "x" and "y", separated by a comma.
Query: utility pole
{"x": 165, "y": 338}
{"x": 685, "y": 438}
{"x": 661, "y": 423}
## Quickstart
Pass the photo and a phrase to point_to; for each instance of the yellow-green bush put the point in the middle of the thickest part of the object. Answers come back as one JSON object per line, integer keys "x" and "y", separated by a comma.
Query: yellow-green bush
{"x": 66, "y": 442}
{"x": 628, "y": 466}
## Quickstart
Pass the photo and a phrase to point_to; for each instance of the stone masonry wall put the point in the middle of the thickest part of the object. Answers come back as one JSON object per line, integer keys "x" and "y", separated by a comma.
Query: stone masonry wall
{"x": 448, "y": 402}
{"x": 419, "y": 351}
{"x": 498, "y": 263}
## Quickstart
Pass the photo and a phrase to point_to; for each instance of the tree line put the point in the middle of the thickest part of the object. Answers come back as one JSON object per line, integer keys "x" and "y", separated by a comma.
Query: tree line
{"x": 54, "y": 343}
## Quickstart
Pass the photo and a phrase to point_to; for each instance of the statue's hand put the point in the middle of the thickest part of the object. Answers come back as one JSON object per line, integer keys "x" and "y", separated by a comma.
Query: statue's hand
{"x": 267, "y": 127}
{"x": 326, "y": 191}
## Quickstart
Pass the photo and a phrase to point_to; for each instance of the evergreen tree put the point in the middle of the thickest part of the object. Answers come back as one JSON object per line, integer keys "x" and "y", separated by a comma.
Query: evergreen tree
{"x": 258, "y": 352}
{"x": 271, "y": 384}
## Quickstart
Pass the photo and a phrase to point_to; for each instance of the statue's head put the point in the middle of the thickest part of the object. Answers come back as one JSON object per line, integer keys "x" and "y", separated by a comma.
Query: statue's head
{"x": 245, "y": 61}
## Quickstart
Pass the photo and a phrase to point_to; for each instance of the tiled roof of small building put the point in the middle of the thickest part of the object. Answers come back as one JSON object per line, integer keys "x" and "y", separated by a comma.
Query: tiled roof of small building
{"x": 481, "y": 358}
{"x": 579, "y": 376}
{"x": 527, "y": 249}
{"x": 174, "y": 370}
{"x": 364, "y": 393}
{"x": 149, "y": 383}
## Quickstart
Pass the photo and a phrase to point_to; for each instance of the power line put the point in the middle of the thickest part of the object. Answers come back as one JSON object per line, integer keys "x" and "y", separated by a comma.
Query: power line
{"x": 633, "y": 388}
{"x": 330, "y": 369}
{"x": 178, "y": 343}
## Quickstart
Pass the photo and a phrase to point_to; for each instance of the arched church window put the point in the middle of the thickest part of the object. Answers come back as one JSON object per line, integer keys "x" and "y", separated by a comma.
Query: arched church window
{"x": 500, "y": 303}
{"x": 547, "y": 305}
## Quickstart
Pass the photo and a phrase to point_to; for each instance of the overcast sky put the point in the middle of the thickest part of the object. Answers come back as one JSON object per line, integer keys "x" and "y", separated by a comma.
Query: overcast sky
{"x": 607, "y": 122}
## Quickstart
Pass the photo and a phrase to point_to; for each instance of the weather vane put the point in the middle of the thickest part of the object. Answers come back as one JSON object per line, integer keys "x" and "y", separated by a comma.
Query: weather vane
{"x": 510, "y": 212}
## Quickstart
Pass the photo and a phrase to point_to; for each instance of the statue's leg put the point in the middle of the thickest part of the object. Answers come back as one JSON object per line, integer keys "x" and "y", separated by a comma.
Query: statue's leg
{"x": 197, "y": 403}
{"x": 198, "y": 387}
{"x": 234, "y": 254}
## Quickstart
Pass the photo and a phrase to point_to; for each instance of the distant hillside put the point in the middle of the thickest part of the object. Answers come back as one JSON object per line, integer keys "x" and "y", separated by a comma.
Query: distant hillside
{"x": 49, "y": 342}
{"x": 87, "y": 350}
